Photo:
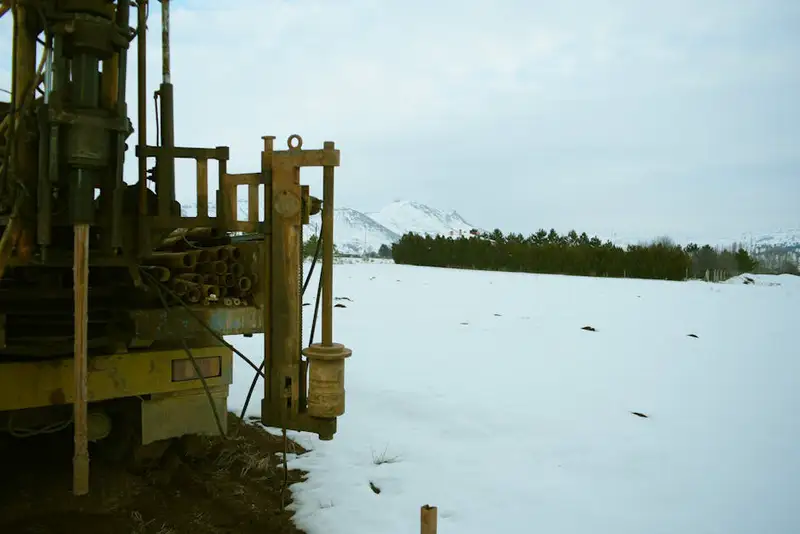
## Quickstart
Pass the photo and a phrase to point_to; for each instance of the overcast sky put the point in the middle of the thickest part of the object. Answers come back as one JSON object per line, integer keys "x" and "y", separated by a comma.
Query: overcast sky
{"x": 628, "y": 117}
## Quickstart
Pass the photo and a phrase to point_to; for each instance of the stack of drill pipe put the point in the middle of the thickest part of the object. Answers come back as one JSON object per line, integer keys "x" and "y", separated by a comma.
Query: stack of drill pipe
{"x": 209, "y": 274}
{"x": 212, "y": 268}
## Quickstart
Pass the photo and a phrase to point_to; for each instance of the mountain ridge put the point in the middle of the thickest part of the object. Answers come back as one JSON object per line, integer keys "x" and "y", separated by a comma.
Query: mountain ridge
{"x": 357, "y": 232}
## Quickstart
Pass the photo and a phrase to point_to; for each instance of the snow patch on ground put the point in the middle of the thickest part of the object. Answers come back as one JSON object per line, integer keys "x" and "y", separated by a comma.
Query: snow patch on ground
{"x": 765, "y": 280}
{"x": 493, "y": 403}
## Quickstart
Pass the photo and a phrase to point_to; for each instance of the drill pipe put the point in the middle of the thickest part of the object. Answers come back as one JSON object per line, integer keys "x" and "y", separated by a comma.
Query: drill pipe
{"x": 171, "y": 259}
{"x": 209, "y": 291}
{"x": 210, "y": 279}
{"x": 202, "y": 255}
{"x": 182, "y": 235}
{"x": 206, "y": 290}
{"x": 245, "y": 285}
{"x": 214, "y": 267}
{"x": 161, "y": 273}
{"x": 222, "y": 252}
{"x": 236, "y": 269}
{"x": 193, "y": 293}
{"x": 191, "y": 277}
{"x": 228, "y": 281}
{"x": 235, "y": 253}
{"x": 179, "y": 287}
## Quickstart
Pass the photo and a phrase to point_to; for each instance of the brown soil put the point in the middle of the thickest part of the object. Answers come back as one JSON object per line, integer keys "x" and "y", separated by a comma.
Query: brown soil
{"x": 200, "y": 486}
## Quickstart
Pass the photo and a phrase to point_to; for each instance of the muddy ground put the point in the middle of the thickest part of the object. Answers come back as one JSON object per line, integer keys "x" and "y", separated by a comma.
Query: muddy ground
{"x": 200, "y": 486}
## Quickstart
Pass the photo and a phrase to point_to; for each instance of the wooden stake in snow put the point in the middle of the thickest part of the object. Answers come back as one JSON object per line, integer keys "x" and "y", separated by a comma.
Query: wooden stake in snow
{"x": 428, "y": 519}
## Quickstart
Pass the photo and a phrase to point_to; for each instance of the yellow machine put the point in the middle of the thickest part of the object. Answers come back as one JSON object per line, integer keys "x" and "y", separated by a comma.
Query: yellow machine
{"x": 113, "y": 304}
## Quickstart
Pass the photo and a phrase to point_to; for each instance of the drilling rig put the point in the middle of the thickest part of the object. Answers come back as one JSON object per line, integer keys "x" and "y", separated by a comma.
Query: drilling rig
{"x": 113, "y": 303}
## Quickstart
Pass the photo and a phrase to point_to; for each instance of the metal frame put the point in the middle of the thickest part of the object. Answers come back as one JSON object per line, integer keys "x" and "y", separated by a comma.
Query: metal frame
{"x": 82, "y": 127}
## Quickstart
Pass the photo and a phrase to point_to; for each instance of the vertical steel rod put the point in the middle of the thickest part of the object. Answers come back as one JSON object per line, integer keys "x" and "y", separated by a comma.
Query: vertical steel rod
{"x": 80, "y": 462}
{"x": 165, "y": 60}
{"x": 266, "y": 275}
{"x": 141, "y": 37}
{"x": 165, "y": 185}
{"x": 327, "y": 250}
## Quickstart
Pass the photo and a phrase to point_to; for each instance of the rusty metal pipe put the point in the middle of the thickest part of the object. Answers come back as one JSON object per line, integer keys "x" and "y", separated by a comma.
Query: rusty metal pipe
{"x": 175, "y": 260}
{"x": 244, "y": 284}
{"x": 179, "y": 287}
{"x": 236, "y": 269}
{"x": 202, "y": 232}
{"x": 194, "y": 294}
{"x": 80, "y": 461}
{"x": 234, "y": 252}
{"x": 222, "y": 253}
{"x": 191, "y": 277}
{"x": 202, "y": 255}
{"x": 24, "y": 79}
{"x": 166, "y": 160}
{"x": 209, "y": 290}
{"x": 210, "y": 279}
{"x": 165, "y": 57}
{"x": 327, "y": 250}
{"x": 141, "y": 75}
{"x": 213, "y": 267}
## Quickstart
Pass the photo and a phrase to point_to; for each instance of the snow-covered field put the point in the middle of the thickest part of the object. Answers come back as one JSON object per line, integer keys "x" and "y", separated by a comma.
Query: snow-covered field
{"x": 480, "y": 393}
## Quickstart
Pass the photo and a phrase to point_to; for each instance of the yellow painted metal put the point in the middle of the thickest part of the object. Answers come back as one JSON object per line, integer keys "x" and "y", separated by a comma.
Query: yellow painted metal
{"x": 171, "y": 415}
{"x": 35, "y": 384}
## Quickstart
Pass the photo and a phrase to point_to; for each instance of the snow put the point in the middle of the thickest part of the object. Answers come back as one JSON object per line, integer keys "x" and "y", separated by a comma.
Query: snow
{"x": 496, "y": 406}
{"x": 407, "y": 216}
{"x": 355, "y": 232}
{"x": 781, "y": 238}
{"x": 763, "y": 280}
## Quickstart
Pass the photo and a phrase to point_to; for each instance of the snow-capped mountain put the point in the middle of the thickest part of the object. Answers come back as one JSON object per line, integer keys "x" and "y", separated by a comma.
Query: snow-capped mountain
{"x": 780, "y": 239}
{"x": 357, "y": 233}
{"x": 407, "y": 216}
{"x": 776, "y": 249}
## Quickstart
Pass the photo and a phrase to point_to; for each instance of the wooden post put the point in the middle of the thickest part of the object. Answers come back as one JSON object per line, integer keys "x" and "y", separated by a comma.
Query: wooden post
{"x": 428, "y": 519}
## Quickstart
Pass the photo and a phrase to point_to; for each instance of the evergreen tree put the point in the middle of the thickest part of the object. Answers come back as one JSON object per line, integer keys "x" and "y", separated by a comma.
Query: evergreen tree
{"x": 384, "y": 251}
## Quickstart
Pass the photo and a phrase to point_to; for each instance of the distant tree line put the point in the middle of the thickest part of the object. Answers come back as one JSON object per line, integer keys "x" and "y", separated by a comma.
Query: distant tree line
{"x": 572, "y": 253}
{"x": 779, "y": 260}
